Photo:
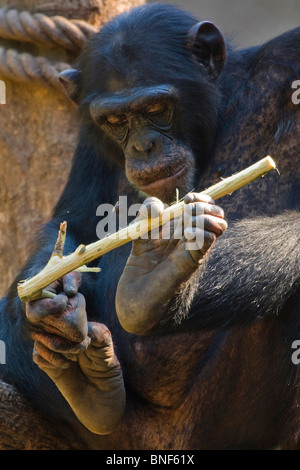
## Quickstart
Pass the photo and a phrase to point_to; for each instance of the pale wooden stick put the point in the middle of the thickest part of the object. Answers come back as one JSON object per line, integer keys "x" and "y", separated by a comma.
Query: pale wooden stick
{"x": 59, "y": 266}
{"x": 60, "y": 242}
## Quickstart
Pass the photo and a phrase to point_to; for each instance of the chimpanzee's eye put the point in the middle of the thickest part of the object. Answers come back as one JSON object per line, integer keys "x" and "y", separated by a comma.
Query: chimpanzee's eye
{"x": 116, "y": 120}
{"x": 160, "y": 115}
{"x": 116, "y": 125}
{"x": 157, "y": 108}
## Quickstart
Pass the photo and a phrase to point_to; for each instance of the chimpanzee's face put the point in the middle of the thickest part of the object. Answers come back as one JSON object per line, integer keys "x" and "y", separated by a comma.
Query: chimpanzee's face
{"x": 151, "y": 90}
{"x": 144, "y": 123}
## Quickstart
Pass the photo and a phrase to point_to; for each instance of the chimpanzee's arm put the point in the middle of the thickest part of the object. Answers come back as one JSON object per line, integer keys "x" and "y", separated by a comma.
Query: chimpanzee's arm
{"x": 157, "y": 267}
{"x": 88, "y": 375}
{"x": 76, "y": 354}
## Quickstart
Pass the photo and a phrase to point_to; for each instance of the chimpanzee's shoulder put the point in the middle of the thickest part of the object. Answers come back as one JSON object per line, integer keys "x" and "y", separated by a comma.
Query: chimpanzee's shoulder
{"x": 282, "y": 52}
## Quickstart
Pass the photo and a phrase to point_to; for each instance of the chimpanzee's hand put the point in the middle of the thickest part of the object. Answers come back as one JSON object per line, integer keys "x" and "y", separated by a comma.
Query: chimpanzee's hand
{"x": 77, "y": 355}
{"x": 157, "y": 267}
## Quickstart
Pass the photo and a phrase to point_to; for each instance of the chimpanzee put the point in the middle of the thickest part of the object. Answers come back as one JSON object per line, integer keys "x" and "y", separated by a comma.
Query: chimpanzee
{"x": 203, "y": 337}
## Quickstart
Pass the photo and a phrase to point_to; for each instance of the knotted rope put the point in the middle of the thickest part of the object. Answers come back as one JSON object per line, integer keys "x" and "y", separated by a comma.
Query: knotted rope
{"x": 43, "y": 30}
{"x": 24, "y": 67}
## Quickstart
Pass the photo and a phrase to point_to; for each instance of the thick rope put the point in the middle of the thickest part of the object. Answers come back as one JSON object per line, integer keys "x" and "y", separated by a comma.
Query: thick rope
{"x": 41, "y": 29}
{"x": 24, "y": 67}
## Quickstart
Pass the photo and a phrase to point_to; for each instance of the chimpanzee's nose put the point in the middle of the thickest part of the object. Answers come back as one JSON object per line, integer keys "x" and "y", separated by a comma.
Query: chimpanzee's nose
{"x": 143, "y": 145}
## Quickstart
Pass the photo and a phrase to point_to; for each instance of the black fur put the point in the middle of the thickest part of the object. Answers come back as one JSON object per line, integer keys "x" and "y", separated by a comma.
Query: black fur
{"x": 253, "y": 272}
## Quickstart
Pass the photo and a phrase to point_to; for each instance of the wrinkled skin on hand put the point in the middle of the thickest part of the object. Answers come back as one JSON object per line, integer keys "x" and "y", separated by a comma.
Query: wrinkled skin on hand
{"x": 158, "y": 266}
{"x": 77, "y": 355}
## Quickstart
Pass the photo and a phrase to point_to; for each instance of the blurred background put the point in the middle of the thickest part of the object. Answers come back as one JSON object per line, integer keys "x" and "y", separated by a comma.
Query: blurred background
{"x": 246, "y": 22}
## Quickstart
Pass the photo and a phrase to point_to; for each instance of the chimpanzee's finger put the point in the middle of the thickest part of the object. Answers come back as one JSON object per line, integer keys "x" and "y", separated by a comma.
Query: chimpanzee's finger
{"x": 100, "y": 356}
{"x": 60, "y": 345}
{"x": 205, "y": 222}
{"x": 38, "y": 310}
{"x": 44, "y": 357}
{"x": 199, "y": 242}
{"x": 71, "y": 324}
{"x": 71, "y": 283}
{"x": 152, "y": 207}
{"x": 198, "y": 197}
{"x": 198, "y": 208}
{"x": 99, "y": 334}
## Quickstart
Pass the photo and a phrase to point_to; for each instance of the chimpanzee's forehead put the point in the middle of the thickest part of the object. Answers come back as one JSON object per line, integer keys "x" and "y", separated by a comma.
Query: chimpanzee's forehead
{"x": 142, "y": 48}
{"x": 120, "y": 65}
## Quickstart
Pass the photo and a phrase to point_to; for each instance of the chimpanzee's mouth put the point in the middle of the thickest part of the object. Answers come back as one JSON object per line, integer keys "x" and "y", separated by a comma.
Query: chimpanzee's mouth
{"x": 167, "y": 183}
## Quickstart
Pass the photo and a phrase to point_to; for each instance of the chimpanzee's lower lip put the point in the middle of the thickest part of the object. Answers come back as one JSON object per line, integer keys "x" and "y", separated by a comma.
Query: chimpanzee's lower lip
{"x": 163, "y": 184}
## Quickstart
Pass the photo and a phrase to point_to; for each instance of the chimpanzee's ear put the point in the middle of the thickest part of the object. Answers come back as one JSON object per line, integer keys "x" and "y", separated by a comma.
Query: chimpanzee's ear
{"x": 71, "y": 81}
{"x": 208, "y": 47}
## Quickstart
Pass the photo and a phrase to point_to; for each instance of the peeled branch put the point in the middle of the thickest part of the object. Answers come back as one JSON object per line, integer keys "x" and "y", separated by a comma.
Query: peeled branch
{"x": 59, "y": 265}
